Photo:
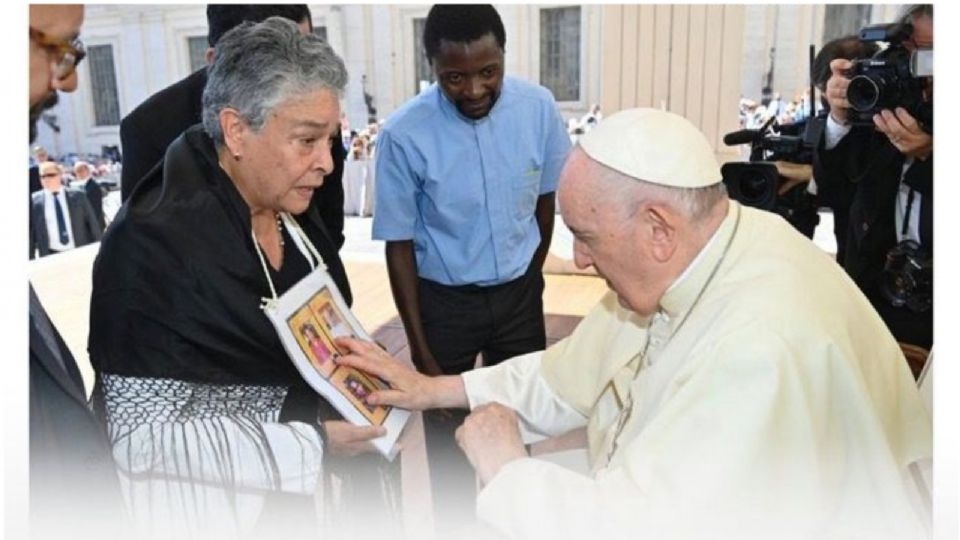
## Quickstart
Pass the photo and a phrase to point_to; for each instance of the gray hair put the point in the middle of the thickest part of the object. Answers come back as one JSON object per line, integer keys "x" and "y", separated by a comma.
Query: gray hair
{"x": 628, "y": 192}
{"x": 258, "y": 66}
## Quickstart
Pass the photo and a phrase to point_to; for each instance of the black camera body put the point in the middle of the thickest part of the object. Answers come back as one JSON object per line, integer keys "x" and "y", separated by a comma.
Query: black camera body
{"x": 752, "y": 184}
{"x": 907, "y": 278}
{"x": 889, "y": 79}
{"x": 758, "y": 183}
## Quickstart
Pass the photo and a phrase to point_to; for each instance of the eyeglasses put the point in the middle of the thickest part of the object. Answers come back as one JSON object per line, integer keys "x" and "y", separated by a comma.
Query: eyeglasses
{"x": 69, "y": 52}
{"x": 49, "y": 175}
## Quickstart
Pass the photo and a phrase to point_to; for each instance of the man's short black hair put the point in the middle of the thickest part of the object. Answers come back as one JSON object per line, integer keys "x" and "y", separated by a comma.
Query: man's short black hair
{"x": 461, "y": 23}
{"x": 221, "y": 18}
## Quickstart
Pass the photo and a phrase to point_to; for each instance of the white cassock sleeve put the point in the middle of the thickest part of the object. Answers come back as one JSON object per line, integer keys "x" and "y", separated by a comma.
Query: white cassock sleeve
{"x": 517, "y": 383}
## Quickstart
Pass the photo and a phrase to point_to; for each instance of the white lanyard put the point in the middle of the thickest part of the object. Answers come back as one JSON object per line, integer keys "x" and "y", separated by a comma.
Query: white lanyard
{"x": 304, "y": 245}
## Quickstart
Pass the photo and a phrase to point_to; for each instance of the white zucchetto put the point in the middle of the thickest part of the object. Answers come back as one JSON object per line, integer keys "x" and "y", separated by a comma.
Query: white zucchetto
{"x": 654, "y": 146}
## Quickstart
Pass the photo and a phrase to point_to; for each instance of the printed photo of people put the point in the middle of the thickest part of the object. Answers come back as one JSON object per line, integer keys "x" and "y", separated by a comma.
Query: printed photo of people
{"x": 314, "y": 341}
{"x": 357, "y": 386}
{"x": 334, "y": 322}
{"x": 329, "y": 316}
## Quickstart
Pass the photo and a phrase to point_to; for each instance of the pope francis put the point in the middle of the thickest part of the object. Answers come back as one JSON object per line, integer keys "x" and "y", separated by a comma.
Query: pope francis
{"x": 733, "y": 384}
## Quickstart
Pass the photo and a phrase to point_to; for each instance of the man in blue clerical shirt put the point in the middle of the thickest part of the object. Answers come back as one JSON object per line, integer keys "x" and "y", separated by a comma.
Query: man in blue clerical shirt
{"x": 466, "y": 173}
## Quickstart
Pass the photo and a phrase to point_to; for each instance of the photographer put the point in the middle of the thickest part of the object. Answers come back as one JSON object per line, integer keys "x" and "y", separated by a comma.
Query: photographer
{"x": 890, "y": 165}
{"x": 835, "y": 195}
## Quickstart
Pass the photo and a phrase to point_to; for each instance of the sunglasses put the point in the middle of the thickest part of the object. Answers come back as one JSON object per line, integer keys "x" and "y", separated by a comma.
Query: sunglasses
{"x": 49, "y": 175}
{"x": 69, "y": 52}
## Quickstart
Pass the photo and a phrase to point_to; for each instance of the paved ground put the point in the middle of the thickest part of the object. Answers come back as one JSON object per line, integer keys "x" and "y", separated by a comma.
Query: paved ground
{"x": 359, "y": 246}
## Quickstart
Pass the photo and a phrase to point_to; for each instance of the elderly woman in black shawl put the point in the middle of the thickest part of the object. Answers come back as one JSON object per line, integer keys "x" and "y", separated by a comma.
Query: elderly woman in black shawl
{"x": 208, "y": 417}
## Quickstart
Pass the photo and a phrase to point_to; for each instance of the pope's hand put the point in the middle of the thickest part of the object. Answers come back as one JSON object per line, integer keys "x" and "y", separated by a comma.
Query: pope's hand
{"x": 408, "y": 388}
{"x": 490, "y": 437}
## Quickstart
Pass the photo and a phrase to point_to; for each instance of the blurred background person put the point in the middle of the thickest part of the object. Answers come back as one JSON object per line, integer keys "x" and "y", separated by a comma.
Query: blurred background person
{"x": 60, "y": 218}
{"x": 37, "y": 156}
{"x": 83, "y": 181}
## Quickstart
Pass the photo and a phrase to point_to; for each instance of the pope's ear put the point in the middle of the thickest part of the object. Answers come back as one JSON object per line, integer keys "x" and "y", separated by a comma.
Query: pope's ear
{"x": 662, "y": 226}
{"x": 234, "y": 128}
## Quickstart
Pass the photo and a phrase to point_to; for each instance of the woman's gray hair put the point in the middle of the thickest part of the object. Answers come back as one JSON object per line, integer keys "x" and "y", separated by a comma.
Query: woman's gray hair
{"x": 629, "y": 192}
{"x": 258, "y": 66}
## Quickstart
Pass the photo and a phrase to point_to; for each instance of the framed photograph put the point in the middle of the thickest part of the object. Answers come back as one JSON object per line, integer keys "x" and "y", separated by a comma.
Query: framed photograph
{"x": 308, "y": 318}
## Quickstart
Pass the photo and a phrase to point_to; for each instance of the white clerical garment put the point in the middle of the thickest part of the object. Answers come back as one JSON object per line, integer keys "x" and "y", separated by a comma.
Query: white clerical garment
{"x": 770, "y": 402}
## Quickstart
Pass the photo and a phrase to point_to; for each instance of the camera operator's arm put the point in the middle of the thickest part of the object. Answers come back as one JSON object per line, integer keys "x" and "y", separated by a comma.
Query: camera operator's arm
{"x": 792, "y": 175}
{"x": 905, "y": 133}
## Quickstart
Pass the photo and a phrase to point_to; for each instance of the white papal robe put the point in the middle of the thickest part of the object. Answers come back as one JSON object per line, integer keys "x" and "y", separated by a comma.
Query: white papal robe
{"x": 770, "y": 402}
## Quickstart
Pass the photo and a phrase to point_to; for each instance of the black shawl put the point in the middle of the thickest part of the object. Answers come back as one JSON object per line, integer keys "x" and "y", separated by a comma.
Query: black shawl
{"x": 177, "y": 283}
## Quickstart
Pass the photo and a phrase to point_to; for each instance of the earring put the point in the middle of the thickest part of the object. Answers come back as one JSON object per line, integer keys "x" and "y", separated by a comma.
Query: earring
{"x": 236, "y": 157}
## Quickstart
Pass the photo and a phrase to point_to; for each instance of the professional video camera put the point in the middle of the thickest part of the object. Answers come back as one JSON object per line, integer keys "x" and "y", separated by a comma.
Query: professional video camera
{"x": 892, "y": 78}
{"x": 758, "y": 183}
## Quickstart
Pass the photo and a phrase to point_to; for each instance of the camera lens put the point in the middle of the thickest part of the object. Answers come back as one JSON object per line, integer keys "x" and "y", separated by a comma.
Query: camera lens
{"x": 863, "y": 93}
{"x": 753, "y": 187}
{"x": 896, "y": 287}
{"x": 907, "y": 277}
{"x": 752, "y": 184}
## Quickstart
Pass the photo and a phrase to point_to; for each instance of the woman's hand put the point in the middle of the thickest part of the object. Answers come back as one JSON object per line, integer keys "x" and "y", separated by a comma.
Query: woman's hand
{"x": 346, "y": 439}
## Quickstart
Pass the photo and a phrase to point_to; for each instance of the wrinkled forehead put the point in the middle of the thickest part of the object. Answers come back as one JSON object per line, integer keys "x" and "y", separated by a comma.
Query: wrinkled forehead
{"x": 575, "y": 188}
{"x": 318, "y": 108}
{"x": 571, "y": 171}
